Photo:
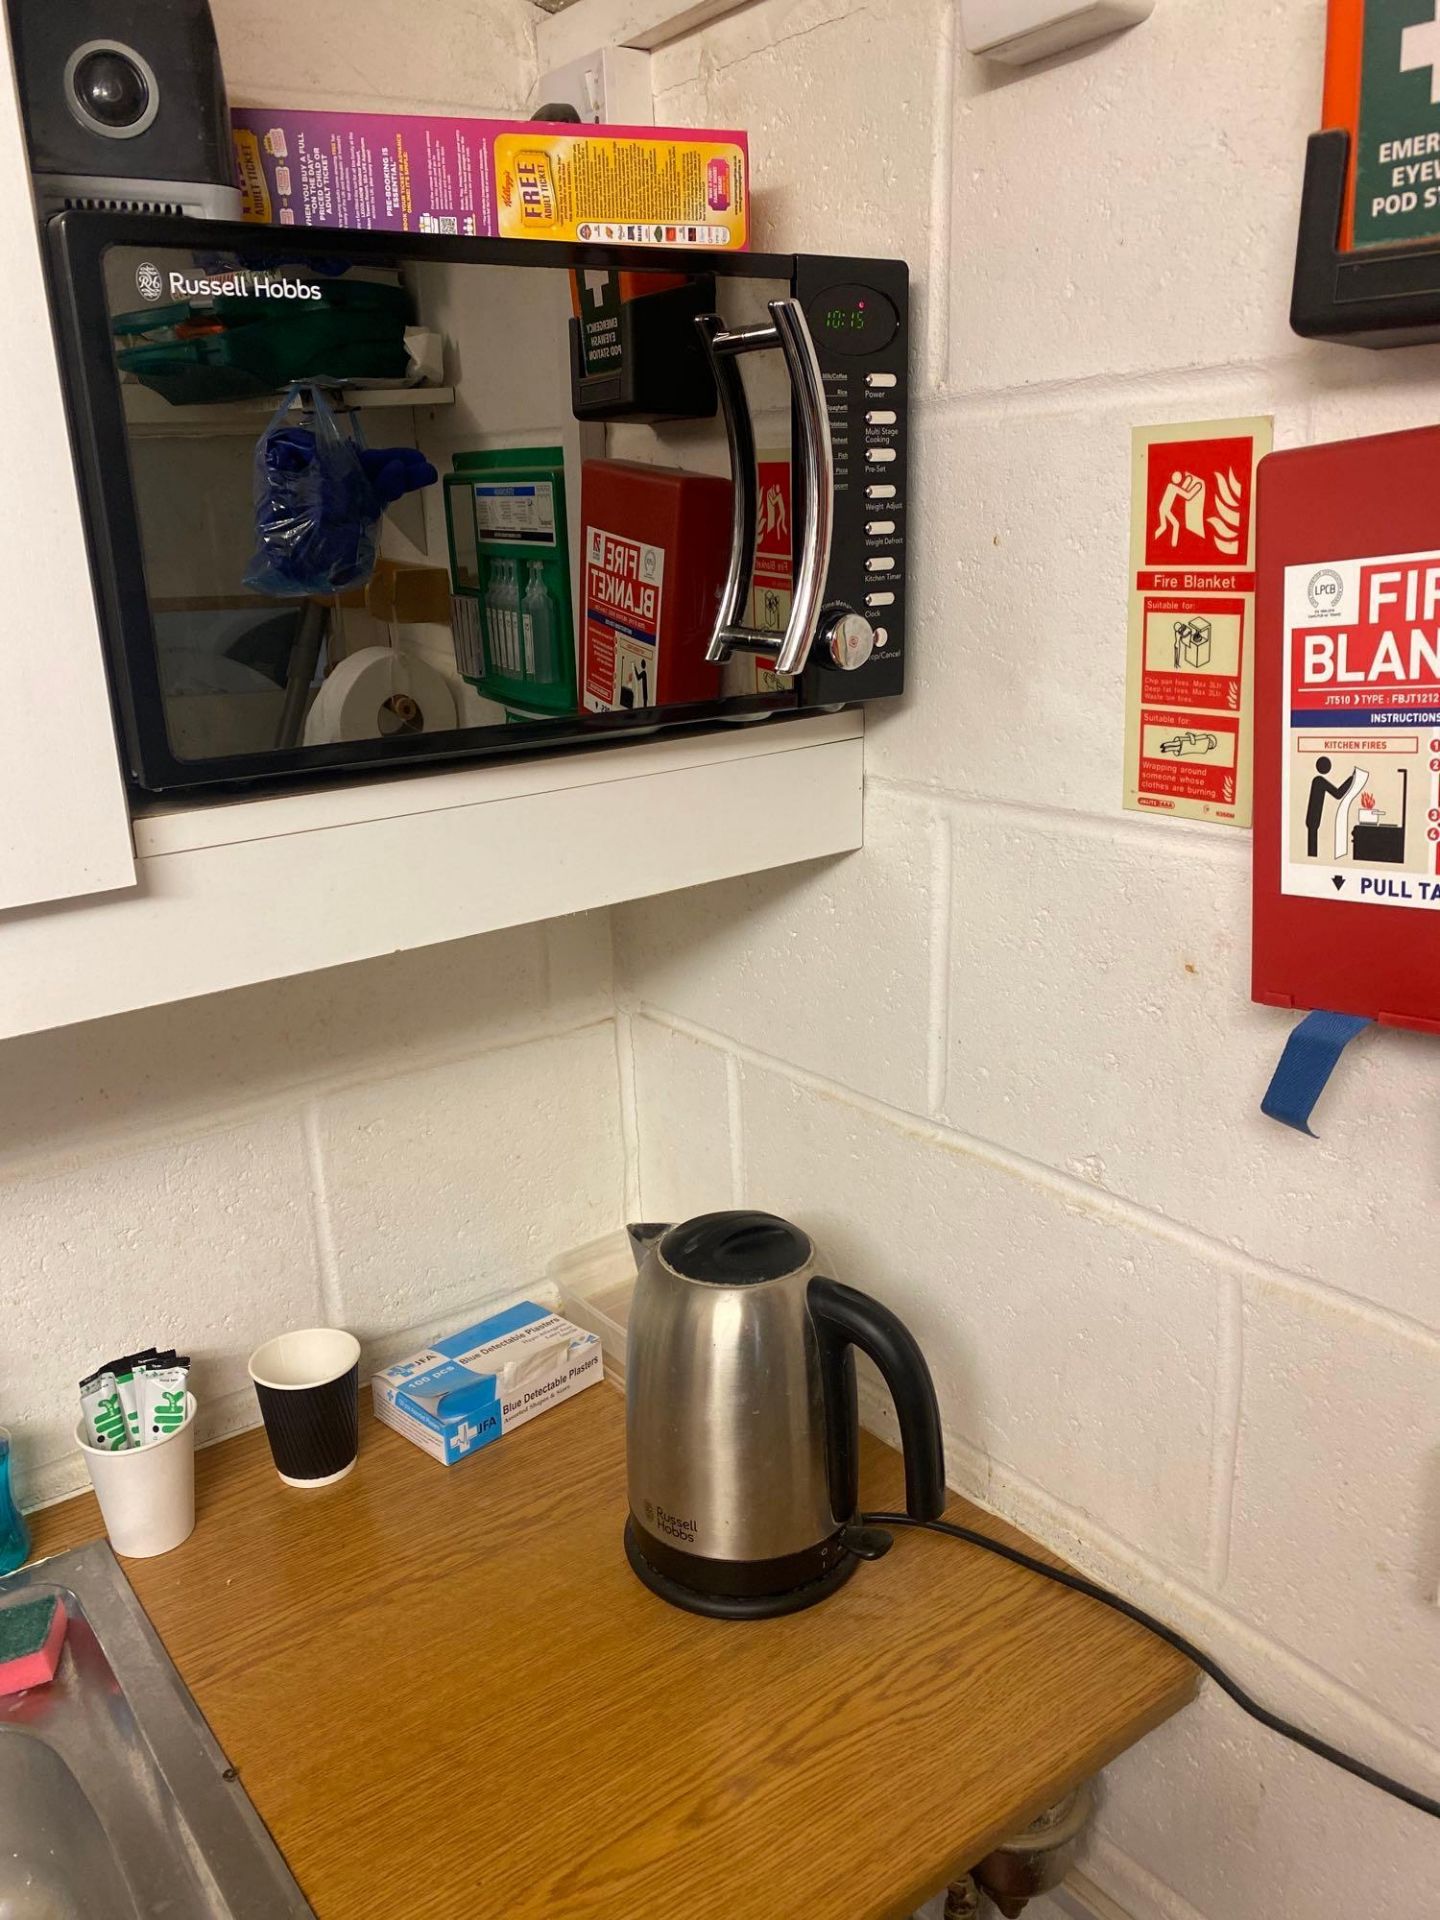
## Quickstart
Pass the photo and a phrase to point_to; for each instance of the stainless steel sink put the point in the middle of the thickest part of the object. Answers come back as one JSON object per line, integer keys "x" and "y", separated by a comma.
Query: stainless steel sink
{"x": 115, "y": 1801}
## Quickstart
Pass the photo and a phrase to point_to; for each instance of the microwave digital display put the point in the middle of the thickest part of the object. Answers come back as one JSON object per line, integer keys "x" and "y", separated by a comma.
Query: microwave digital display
{"x": 854, "y": 319}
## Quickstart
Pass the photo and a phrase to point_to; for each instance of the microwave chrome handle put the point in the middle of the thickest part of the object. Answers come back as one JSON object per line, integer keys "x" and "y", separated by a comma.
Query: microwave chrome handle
{"x": 817, "y": 461}
{"x": 791, "y": 335}
{"x": 722, "y": 347}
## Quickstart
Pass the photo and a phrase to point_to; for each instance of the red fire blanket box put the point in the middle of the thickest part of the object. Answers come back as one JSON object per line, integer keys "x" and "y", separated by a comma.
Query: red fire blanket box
{"x": 1347, "y": 731}
{"x": 655, "y": 553}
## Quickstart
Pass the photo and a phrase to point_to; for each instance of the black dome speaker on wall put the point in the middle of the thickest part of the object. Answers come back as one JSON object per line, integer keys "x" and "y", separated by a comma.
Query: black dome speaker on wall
{"x": 124, "y": 105}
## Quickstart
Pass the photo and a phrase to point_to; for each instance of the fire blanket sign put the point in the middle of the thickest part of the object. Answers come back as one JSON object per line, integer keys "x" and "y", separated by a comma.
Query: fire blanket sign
{"x": 1192, "y": 619}
{"x": 773, "y": 576}
{"x": 1360, "y": 782}
{"x": 624, "y": 580}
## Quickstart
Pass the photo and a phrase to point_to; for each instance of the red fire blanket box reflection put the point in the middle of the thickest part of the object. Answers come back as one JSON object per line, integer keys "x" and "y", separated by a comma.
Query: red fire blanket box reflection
{"x": 656, "y": 547}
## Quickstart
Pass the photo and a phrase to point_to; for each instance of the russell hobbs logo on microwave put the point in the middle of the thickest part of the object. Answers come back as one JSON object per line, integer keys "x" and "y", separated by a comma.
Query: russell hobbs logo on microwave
{"x": 151, "y": 284}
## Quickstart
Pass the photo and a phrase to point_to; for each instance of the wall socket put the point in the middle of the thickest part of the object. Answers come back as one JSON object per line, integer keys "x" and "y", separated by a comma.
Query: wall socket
{"x": 611, "y": 85}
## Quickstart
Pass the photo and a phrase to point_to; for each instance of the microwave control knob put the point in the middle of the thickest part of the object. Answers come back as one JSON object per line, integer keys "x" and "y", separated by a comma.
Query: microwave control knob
{"x": 851, "y": 640}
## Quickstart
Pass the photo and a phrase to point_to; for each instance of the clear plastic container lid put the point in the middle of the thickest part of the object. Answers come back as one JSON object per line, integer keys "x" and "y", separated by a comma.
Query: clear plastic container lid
{"x": 595, "y": 1284}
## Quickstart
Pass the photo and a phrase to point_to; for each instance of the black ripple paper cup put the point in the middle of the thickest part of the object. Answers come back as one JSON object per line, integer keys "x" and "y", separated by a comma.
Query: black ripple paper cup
{"x": 308, "y": 1386}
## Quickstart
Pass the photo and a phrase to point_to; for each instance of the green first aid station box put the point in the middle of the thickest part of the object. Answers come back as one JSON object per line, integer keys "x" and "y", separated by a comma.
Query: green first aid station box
{"x": 1392, "y": 48}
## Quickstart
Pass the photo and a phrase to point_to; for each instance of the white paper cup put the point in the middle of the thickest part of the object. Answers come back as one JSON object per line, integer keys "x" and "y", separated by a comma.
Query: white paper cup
{"x": 146, "y": 1494}
{"x": 308, "y": 1386}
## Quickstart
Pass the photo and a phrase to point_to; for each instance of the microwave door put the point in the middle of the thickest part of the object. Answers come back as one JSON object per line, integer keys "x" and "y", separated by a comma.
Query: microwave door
{"x": 545, "y": 575}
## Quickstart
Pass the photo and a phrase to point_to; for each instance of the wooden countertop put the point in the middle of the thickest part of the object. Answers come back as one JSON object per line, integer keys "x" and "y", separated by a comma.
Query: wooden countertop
{"x": 446, "y": 1693}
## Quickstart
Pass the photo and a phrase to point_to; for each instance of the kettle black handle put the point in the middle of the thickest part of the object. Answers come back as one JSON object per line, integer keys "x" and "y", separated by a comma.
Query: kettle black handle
{"x": 845, "y": 1318}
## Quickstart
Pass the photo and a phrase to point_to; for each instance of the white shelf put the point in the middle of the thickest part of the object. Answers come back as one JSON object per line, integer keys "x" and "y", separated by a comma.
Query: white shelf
{"x": 251, "y": 890}
{"x": 147, "y": 412}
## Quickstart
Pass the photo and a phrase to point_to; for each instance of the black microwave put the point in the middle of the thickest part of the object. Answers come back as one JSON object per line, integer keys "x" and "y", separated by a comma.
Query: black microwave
{"x": 366, "y": 500}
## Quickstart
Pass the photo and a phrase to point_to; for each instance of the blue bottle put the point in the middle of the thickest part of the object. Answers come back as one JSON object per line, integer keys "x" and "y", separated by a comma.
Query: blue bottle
{"x": 14, "y": 1535}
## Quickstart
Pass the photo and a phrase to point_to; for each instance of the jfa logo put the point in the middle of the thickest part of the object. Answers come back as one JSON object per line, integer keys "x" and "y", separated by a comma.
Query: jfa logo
{"x": 148, "y": 283}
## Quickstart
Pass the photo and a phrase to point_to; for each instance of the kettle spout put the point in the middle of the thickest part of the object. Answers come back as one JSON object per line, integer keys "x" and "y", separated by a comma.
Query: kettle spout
{"x": 643, "y": 1236}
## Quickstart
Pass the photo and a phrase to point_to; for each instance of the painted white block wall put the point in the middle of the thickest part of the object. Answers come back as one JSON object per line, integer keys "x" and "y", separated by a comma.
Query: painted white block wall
{"x": 379, "y": 1147}
{"x": 1003, "y": 1062}
{"x": 456, "y": 56}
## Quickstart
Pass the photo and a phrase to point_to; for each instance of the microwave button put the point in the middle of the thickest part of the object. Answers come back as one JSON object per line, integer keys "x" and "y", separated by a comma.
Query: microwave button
{"x": 878, "y": 528}
{"x": 882, "y": 490}
{"x": 882, "y": 637}
{"x": 876, "y": 380}
{"x": 879, "y": 599}
{"x": 880, "y": 417}
{"x": 881, "y": 456}
{"x": 881, "y": 563}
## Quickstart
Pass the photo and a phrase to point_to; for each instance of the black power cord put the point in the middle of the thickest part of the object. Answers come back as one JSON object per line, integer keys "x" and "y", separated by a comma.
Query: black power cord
{"x": 1077, "y": 1583}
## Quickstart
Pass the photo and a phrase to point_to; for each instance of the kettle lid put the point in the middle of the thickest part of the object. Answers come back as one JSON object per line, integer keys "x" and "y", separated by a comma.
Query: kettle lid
{"x": 735, "y": 1249}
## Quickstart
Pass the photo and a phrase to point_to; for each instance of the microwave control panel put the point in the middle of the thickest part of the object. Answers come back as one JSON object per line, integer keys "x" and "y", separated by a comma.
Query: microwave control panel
{"x": 857, "y": 311}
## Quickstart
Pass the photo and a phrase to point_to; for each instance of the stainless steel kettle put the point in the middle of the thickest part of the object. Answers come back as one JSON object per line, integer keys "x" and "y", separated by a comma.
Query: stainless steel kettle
{"x": 742, "y": 1432}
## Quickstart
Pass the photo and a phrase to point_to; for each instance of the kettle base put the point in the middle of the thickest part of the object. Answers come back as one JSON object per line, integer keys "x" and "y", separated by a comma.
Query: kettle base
{"x": 729, "y": 1606}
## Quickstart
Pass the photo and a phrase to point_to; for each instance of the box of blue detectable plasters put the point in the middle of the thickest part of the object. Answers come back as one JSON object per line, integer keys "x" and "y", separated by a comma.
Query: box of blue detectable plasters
{"x": 469, "y": 1388}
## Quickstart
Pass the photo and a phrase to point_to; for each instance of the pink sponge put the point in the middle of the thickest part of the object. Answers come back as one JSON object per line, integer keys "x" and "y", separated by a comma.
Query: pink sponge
{"x": 32, "y": 1632}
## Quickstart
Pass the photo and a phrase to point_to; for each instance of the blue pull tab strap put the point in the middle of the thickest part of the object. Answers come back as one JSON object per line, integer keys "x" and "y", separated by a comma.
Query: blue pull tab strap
{"x": 1306, "y": 1065}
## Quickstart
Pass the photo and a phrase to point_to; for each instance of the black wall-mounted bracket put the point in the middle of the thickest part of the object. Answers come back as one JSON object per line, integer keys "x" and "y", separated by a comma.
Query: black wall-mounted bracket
{"x": 1365, "y": 297}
